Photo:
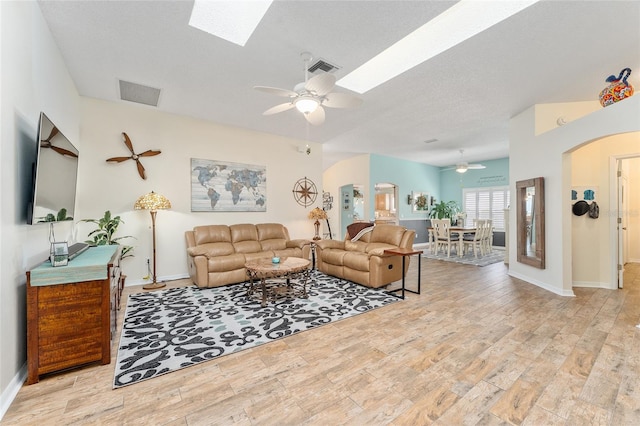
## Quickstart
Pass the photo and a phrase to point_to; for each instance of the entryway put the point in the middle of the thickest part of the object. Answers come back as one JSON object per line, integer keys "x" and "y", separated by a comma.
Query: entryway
{"x": 627, "y": 178}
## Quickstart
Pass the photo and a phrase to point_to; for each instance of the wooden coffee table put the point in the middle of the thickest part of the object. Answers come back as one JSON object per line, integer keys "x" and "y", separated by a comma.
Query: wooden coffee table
{"x": 273, "y": 280}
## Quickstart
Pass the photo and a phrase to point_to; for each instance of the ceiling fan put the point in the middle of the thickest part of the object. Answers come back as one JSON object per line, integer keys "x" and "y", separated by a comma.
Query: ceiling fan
{"x": 310, "y": 96}
{"x": 462, "y": 166}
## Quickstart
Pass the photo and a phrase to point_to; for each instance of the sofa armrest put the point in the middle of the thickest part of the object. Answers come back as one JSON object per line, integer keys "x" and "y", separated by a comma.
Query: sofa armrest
{"x": 195, "y": 251}
{"x": 298, "y": 243}
{"x": 198, "y": 270}
{"x": 330, "y": 244}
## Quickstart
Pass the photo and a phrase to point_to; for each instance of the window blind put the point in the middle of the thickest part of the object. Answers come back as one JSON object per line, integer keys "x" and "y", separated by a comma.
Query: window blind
{"x": 486, "y": 203}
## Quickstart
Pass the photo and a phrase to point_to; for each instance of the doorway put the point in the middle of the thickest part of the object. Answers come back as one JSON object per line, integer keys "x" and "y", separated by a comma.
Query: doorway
{"x": 627, "y": 223}
{"x": 386, "y": 203}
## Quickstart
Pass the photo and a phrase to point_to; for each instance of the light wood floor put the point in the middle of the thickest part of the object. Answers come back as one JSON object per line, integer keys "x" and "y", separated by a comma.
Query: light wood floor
{"x": 476, "y": 347}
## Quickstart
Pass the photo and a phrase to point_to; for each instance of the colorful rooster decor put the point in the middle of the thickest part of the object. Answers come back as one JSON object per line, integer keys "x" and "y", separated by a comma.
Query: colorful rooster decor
{"x": 617, "y": 90}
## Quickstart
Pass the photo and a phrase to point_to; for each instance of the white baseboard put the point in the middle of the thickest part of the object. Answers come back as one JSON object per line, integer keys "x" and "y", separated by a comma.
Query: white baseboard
{"x": 9, "y": 394}
{"x": 591, "y": 284}
{"x": 540, "y": 284}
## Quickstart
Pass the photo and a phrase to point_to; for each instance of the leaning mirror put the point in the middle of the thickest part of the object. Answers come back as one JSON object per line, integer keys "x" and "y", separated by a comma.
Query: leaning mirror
{"x": 530, "y": 221}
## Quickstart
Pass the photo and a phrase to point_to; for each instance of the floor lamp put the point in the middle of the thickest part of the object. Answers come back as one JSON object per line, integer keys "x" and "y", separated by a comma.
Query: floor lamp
{"x": 153, "y": 202}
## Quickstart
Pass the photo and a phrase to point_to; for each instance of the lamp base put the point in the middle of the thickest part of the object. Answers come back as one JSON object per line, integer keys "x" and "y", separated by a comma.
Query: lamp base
{"x": 153, "y": 286}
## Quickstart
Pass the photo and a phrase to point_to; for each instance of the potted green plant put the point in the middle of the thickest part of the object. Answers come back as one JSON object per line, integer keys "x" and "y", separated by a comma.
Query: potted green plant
{"x": 104, "y": 234}
{"x": 444, "y": 210}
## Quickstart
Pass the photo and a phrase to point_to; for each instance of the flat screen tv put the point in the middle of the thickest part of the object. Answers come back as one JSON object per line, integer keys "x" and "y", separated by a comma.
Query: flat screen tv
{"x": 54, "y": 176}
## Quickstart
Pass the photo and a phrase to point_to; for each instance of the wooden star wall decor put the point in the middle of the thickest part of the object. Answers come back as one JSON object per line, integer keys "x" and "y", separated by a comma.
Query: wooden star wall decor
{"x": 305, "y": 192}
{"x": 134, "y": 156}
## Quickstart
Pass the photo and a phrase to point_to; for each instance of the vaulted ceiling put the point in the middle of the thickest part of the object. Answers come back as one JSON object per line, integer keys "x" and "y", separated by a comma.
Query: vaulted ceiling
{"x": 553, "y": 51}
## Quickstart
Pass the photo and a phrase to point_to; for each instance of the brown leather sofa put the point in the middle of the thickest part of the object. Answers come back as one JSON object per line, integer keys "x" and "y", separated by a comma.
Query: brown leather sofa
{"x": 363, "y": 261}
{"x": 217, "y": 253}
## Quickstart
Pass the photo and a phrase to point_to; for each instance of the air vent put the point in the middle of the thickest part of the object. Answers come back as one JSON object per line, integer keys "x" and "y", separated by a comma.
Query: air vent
{"x": 322, "y": 66}
{"x": 138, "y": 93}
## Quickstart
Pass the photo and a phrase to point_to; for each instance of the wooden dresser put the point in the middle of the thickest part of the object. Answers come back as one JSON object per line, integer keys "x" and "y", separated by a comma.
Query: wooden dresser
{"x": 72, "y": 311}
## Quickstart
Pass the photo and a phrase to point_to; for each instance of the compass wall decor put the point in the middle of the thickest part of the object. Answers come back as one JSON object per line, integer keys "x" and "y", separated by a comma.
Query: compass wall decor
{"x": 305, "y": 192}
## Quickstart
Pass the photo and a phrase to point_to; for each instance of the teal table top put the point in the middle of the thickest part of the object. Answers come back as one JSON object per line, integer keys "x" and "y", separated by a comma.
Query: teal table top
{"x": 88, "y": 266}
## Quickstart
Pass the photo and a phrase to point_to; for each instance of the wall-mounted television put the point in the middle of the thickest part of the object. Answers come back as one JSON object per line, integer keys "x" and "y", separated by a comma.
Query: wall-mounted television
{"x": 55, "y": 174}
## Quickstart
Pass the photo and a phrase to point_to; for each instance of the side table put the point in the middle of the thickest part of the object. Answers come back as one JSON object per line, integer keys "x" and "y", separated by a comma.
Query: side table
{"x": 404, "y": 253}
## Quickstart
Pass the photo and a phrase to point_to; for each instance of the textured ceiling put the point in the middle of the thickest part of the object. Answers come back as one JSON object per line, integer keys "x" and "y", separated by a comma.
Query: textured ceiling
{"x": 554, "y": 51}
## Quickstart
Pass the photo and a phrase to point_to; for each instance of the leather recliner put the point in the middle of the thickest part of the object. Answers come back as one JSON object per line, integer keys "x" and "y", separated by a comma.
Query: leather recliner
{"x": 364, "y": 261}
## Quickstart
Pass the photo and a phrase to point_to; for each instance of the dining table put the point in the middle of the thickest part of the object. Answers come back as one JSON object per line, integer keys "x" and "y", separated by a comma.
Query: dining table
{"x": 460, "y": 230}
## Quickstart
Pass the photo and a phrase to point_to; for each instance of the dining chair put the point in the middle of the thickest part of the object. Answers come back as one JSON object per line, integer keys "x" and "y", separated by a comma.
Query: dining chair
{"x": 475, "y": 241}
{"x": 443, "y": 236}
{"x": 487, "y": 239}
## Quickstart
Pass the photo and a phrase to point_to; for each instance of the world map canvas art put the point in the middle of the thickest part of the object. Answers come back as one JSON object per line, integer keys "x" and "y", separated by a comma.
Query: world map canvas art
{"x": 227, "y": 187}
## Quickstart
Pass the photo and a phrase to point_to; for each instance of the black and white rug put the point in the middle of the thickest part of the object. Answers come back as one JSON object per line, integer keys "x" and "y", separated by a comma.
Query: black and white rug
{"x": 167, "y": 330}
{"x": 495, "y": 256}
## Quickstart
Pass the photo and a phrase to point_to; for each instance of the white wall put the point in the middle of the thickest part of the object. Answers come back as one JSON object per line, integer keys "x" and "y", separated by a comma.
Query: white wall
{"x": 352, "y": 171}
{"x": 592, "y": 254}
{"x": 116, "y": 186}
{"x": 548, "y": 155}
{"x": 33, "y": 79}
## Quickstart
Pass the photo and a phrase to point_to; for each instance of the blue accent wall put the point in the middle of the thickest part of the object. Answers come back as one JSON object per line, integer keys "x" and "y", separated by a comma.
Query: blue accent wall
{"x": 496, "y": 173}
{"x": 407, "y": 176}
{"x": 441, "y": 184}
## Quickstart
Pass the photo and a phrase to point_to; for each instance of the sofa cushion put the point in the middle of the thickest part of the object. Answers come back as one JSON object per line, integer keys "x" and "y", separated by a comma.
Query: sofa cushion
{"x": 271, "y": 231}
{"x": 211, "y": 234}
{"x": 333, "y": 256}
{"x": 357, "y": 246}
{"x": 297, "y": 243}
{"x": 244, "y": 237}
{"x": 211, "y": 249}
{"x": 247, "y": 247}
{"x": 258, "y": 255}
{"x": 389, "y": 234}
{"x": 330, "y": 244}
{"x": 275, "y": 244}
{"x": 357, "y": 261}
{"x": 243, "y": 232}
{"x": 272, "y": 236}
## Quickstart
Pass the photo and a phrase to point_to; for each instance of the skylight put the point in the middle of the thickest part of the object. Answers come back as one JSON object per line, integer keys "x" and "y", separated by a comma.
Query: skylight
{"x": 233, "y": 20}
{"x": 453, "y": 26}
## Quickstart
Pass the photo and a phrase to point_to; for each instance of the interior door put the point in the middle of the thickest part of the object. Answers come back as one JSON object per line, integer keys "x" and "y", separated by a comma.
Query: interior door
{"x": 622, "y": 223}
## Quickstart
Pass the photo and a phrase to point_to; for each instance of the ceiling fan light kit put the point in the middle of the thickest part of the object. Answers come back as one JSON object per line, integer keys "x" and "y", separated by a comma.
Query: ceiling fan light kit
{"x": 310, "y": 96}
{"x": 462, "y": 166}
{"x": 306, "y": 104}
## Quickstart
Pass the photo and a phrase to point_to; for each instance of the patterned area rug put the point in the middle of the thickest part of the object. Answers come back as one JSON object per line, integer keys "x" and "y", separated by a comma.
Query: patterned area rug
{"x": 495, "y": 256}
{"x": 167, "y": 330}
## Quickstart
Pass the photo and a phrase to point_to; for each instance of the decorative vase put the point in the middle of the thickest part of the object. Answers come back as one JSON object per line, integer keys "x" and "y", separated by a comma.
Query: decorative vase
{"x": 617, "y": 90}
